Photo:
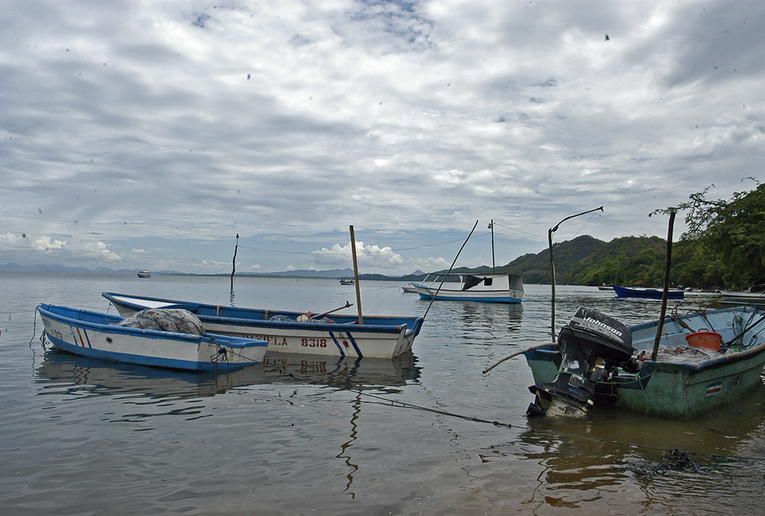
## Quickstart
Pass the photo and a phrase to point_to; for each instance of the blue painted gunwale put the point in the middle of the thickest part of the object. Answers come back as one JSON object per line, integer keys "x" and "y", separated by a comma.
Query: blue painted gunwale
{"x": 378, "y": 323}
{"x": 96, "y": 322}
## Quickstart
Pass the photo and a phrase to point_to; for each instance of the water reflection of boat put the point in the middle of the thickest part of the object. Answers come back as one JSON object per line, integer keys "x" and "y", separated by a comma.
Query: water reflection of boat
{"x": 357, "y": 374}
{"x": 610, "y": 449}
{"x": 343, "y": 372}
{"x": 102, "y": 377}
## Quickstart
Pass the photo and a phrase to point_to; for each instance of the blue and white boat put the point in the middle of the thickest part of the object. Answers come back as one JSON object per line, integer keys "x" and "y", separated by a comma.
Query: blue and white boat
{"x": 294, "y": 332}
{"x": 98, "y": 335}
{"x": 486, "y": 288}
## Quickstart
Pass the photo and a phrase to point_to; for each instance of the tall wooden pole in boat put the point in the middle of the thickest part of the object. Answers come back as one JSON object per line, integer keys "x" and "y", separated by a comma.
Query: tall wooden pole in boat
{"x": 491, "y": 227}
{"x": 233, "y": 267}
{"x": 552, "y": 264}
{"x": 665, "y": 295}
{"x": 356, "y": 275}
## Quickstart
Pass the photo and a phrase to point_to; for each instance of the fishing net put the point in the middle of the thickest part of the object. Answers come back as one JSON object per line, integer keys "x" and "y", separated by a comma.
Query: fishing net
{"x": 165, "y": 319}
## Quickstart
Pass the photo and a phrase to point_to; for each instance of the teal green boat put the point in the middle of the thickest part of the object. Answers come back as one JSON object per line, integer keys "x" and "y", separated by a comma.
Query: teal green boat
{"x": 705, "y": 360}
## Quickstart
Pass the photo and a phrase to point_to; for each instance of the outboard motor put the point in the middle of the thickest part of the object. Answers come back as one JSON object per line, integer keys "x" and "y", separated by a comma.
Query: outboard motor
{"x": 592, "y": 345}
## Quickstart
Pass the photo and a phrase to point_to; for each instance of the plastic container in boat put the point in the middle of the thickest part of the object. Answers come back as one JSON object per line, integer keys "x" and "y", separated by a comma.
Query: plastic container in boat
{"x": 705, "y": 339}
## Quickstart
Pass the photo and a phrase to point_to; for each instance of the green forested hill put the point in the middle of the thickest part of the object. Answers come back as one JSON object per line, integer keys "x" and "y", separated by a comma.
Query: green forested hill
{"x": 535, "y": 268}
{"x": 724, "y": 247}
{"x": 589, "y": 261}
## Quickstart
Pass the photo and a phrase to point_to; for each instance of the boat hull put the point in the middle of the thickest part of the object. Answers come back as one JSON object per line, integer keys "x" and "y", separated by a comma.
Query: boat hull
{"x": 95, "y": 335}
{"x": 743, "y": 298}
{"x": 500, "y": 288}
{"x": 378, "y": 337}
{"x": 678, "y": 389}
{"x": 483, "y": 297}
{"x": 646, "y": 293}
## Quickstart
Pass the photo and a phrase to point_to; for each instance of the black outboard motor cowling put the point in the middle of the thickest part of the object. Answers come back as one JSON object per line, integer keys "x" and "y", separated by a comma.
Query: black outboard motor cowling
{"x": 592, "y": 345}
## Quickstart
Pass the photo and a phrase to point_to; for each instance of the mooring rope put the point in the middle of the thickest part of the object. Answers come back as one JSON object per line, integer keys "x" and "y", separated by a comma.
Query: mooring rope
{"x": 396, "y": 403}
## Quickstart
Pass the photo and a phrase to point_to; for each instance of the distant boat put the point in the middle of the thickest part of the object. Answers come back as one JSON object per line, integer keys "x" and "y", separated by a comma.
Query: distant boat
{"x": 646, "y": 293}
{"x": 412, "y": 287}
{"x": 144, "y": 274}
{"x": 98, "y": 335}
{"x": 379, "y": 336}
{"x": 346, "y": 281}
{"x": 702, "y": 293}
{"x": 743, "y": 298}
{"x": 487, "y": 288}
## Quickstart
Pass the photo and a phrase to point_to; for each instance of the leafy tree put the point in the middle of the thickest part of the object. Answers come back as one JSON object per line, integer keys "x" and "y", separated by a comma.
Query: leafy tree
{"x": 726, "y": 238}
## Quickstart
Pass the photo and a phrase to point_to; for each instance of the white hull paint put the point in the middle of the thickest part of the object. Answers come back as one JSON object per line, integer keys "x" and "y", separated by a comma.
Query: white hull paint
{"x": 96, "y": 335}
{"x": 487, "y": 288}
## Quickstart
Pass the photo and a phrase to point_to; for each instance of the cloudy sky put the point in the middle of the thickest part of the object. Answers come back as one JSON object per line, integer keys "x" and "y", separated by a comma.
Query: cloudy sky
{"x": 149, "y": 134}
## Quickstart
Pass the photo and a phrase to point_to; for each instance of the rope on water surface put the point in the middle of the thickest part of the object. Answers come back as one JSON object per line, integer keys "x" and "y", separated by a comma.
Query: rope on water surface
{"x": 404, "y": 404}
{"x": 401, "y": 404}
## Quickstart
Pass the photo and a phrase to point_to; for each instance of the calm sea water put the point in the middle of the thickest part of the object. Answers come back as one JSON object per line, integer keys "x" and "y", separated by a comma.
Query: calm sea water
{"x": 315, "y": 436}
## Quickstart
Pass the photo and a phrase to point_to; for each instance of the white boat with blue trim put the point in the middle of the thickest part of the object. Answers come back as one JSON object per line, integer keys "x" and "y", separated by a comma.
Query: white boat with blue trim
{"x": 294, "y": 332}
{"x": 104, "y": 336}
{"x": 486, "y": 288}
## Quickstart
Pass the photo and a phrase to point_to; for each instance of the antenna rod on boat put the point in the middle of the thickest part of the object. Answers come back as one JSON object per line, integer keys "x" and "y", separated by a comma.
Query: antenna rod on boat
{"x": 356, "y": 275}
{"x": 450, "y": 270}
{"x": 552, "y": 264}
{"x": 665, "y": 294}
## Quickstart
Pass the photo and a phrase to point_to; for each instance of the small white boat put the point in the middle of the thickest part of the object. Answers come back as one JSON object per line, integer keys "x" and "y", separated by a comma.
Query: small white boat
{"x": 144, "y": 274}
{"x": 346, "y": 281}
{"x": 98, "y": 335}
{"x": 487, "y": 288}
{"x": 743, "y": 298}
{"x": 379, "y": 336}
{"x": 689, "y": 292}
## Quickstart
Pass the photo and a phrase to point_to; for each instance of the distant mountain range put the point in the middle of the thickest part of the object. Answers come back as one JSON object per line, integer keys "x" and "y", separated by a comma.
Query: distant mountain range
{"x": 333, "y": 273}
{"x": 15, "y": 267}
{"x": 571, "y": 257}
